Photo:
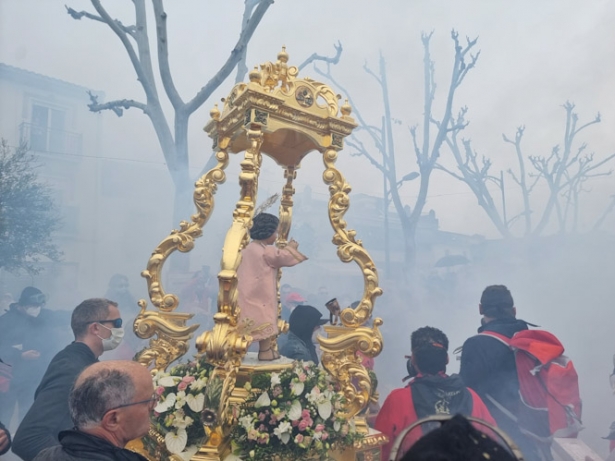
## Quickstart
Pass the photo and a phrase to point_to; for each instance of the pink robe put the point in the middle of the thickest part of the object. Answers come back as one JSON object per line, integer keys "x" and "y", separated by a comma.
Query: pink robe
{"x": 257, "y": 287}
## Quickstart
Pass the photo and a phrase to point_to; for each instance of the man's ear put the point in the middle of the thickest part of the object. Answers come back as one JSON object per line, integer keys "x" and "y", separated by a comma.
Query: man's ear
{"x": 514, "y": 309}
{"x": 447, "y": 359}
{"x": 480, "y": 309}
{"x": 111, "y": 421}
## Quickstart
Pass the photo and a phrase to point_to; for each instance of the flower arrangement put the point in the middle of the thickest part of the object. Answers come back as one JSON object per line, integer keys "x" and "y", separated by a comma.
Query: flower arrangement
{"x": 189, "y": 395}
{"x": 291, "y": 415}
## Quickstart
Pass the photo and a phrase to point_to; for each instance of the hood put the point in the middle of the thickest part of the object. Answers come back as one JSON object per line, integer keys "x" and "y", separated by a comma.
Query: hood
{"x": 440, "y": 394}
{"x": 303, "y": 320}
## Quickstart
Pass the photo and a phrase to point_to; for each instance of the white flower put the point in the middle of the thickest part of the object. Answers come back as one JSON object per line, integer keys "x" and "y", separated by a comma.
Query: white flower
{"x": 337, "y": 426}
{"x": 297, "y": 388}
{"x": 176, "y": 441}
{"x": 189, "y": 452}
{"x": 275, "y": 379}
{"x": 165, "y": 404}
{"x": 195, "y": 402}
{"x": 295, "y": 411}
{"x": 314, "y": 395}
{"x": 181, "y": 421}
{"x": 197, "y": 384}
{"x": 322, "y": 400}
{"x": 169, "y": 381}
{"x": 180, "y": 400}
{"x": 324, "y": 409}
{"x": 246, "y": 422}
{"x": 263, "y": 401}
{"x": 283, "y": 431}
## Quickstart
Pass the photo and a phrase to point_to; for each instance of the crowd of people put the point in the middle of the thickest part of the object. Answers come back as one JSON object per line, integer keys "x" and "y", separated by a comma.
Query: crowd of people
{"x": 70, "y": 406}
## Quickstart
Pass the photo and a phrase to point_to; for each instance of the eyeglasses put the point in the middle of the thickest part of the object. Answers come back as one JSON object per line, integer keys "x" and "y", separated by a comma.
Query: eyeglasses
{"x": 152, "y": 401}
{"x": 117, "y": 323}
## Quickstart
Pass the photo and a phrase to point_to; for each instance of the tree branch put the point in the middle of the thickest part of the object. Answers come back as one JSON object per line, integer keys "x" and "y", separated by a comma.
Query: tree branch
{"x": 116, "y": 106}
{"x": 163, "y": 55}
{"x": 242, "y": 69}
{"x": 330, "y": 60}
{"x": 235, "y": 56}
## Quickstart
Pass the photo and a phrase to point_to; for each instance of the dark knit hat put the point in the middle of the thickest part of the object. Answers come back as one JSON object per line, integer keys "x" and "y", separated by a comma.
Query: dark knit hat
{"x": 263, "y": 226}
{"x": 31, "y": 296}
{"x": 457, "y": 440}
{"x": 496, "y": 297}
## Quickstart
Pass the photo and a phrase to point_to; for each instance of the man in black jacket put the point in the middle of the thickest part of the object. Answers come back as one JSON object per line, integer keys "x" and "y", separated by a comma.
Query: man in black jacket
{"x": 488, "y": 366}
{"x": 97, "y": 326}
{"x": 29, "y": 338}
{"x": 110, "y": 406}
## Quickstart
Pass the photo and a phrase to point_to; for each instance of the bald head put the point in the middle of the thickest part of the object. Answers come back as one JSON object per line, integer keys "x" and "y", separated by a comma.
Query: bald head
{"x": 104, "y": 386}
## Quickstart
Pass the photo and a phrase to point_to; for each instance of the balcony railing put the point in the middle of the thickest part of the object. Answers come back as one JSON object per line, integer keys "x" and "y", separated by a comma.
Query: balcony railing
{"x": 43, "y": 139}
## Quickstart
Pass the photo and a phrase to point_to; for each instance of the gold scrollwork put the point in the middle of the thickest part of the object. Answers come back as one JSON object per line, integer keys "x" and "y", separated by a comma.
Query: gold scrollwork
{"x": 340, "y": 359}
{"x": 348, "y": 248}
{"x": 173, "y": 334}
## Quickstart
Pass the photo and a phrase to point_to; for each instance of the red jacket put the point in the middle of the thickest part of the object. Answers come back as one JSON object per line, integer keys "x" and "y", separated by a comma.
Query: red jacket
{"x": 398, "y": 412}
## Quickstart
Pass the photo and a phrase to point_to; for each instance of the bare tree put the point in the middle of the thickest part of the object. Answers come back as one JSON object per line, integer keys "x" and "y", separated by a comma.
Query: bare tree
{"x": 426, "y": 149}
{"x": 565, "y": 171}
{"x": 172, "y": 136}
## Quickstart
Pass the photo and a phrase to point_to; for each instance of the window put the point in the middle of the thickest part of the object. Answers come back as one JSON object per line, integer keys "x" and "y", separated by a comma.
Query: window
{"x": 47, "y": 130}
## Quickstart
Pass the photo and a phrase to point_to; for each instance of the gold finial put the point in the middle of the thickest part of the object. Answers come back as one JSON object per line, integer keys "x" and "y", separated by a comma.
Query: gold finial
{"x": 215, "y": 112}
{"x": 346, "y": 109}
{"x": 255, "y": 75}
{"x": 283, "y": 55}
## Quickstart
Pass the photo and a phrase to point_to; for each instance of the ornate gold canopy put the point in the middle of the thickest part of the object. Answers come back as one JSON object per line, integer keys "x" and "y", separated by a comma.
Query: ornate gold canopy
{"x": 285, "y": 117}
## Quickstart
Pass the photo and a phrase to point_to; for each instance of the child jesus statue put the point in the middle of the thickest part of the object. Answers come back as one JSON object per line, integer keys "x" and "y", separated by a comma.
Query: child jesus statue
{"x": 257, "y": 282}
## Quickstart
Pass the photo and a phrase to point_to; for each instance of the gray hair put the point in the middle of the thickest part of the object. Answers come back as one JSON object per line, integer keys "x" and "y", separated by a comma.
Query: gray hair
{"x": 91, "y": 398}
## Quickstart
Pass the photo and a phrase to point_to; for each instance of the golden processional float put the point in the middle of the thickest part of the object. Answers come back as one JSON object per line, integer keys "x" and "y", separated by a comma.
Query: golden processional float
{"x": 285, "y": 117}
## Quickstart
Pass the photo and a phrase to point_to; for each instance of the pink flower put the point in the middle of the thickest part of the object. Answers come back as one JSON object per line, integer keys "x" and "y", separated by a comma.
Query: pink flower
{"x": 319, "y": 427}
{"x": 273, "y": 420}
{"x": 261, "y": 416}
{"x": 261, "y": 428}
{"x": 295, "y": 423}
{"x": 324, "y": 436}
{"x": 182, "y": 386}
{"x": 302, "y": 377}
{"x": 303, "y": 425}
{"x": 188, "y": 379}
{"x": 299, "y": 438}
{"x": 160, "y": 390}
{"x": 305, "y": 413}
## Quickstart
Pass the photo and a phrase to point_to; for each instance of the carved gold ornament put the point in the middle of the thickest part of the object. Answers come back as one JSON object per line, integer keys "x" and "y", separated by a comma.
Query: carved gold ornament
{"x": 285, "y": 117}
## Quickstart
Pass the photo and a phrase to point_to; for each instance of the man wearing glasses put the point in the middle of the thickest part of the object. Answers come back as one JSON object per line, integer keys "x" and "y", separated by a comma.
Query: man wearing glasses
{"x": 110, "y": 406}
{"x": 97, "y": 326}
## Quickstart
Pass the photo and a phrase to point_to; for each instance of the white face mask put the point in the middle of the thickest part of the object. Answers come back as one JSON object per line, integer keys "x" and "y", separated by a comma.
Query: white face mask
{"x": 33, "y": 311}
{"x": 114, "y": 340}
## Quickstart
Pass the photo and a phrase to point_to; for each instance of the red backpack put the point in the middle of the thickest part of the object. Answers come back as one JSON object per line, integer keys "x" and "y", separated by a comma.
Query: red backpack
{"x": 548, "y": 385}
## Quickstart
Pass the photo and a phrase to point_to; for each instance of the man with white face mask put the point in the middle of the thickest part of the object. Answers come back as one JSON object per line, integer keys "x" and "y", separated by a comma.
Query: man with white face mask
{"x": 28, "y": 342}
{"x": 97, "y": 326}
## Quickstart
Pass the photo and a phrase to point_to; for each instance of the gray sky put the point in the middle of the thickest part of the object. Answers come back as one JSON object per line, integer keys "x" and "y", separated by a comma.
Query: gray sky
{"x": 535, "y": 56}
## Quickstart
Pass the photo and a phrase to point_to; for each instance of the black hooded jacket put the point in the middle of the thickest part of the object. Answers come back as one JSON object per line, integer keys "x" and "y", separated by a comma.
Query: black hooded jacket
{"x": 488, "y": 367}
{"x": 77, "y": 446}
{"x": 299, "y": 345}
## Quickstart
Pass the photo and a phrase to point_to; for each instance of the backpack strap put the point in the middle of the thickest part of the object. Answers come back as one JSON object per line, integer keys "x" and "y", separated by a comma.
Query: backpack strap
{"x": 503, "y": 339}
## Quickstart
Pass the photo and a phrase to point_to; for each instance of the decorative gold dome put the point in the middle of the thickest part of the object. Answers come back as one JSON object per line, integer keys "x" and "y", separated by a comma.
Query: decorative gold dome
{"x": 346, "y": 109}
{"x": 255, "y": 75}
{"x": 283, "y": 55}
